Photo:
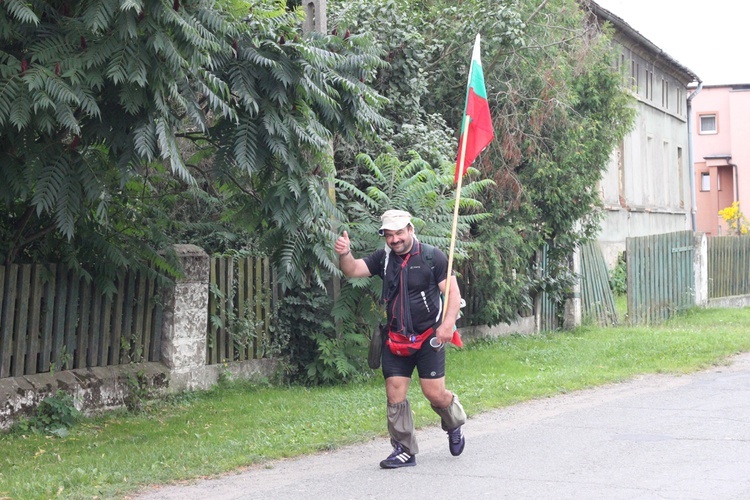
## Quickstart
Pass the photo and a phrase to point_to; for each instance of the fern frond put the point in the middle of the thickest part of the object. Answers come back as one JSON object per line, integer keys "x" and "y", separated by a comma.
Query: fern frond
{"x": 21, "y": 11}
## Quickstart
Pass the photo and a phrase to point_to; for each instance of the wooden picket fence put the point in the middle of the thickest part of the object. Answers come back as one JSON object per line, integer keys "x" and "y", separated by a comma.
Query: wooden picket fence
{"x": 728, "y": 266}
{"x": 242, "y": 297}
{"x": 660, "y": 273}
{"x": 51, "y": 319}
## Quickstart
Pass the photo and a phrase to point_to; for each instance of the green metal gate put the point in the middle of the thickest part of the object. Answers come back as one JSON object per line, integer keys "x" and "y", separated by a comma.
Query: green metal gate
{"x": 660, "y": 276}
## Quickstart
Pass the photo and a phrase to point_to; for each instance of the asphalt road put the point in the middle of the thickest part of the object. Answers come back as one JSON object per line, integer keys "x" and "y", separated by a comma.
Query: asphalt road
{"x": 656, "y": 437}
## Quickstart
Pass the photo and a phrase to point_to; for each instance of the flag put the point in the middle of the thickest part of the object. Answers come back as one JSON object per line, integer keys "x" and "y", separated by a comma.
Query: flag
{"x": 477, "y": 122}
{"x": 456, "y": 340}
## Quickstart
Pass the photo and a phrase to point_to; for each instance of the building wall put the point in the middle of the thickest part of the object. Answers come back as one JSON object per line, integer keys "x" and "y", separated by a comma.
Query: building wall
{"x": 724, "y": 156}
{"x": 646, "y": 188}
{"x": 739, "y": 122}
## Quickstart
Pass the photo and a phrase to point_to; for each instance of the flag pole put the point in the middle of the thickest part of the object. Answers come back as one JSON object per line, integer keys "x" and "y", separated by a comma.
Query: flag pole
{"x": 454, "y": 229}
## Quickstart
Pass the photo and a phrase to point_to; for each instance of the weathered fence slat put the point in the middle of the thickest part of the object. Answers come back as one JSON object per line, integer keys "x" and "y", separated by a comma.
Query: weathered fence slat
{"x": 82, "y": 333}
{"x": 257, "y": 351}
{"x": 597, "y": 300}
{"x": 148, "y": 312}
{"x": 221, "y": 332}
{"x": 95, "y": 332}
{"x": 126, "y": 341}
{"x": 106, "y": 329}
{"x": 2, "y": 307}
{"x": 267, "y": 287}
{"x": 71, "y": 320}
{"x": 211, "y": 349}
{"x": 139, "y": 306}
{"x": 21, "y": 326}
{"x": 243, "y": 295}
{"x": 157, "y": 322}
{"x": 34, "y": 331}
{"x": 50, "y": 291}
{"x": 8, "y": 316}
{"x": 116, "y": 339}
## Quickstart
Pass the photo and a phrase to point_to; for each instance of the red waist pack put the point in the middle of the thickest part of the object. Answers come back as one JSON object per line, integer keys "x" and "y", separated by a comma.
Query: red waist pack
{"x": 404, "y": 345}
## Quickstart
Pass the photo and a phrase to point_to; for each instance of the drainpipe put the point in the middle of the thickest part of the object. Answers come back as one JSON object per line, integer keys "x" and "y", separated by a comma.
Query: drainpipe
{"x": 693, "y": 202}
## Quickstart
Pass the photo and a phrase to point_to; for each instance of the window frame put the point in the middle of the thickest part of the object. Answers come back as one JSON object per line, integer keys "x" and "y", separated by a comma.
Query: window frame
{"x": 703, "y": 131}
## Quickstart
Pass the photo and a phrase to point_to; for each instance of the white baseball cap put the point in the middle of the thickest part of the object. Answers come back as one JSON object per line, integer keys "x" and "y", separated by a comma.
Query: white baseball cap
{"x": 394, "y": 220}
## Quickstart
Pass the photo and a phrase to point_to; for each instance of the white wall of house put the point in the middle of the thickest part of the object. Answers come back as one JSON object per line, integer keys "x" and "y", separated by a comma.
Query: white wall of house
{"x": 646, "y": 188}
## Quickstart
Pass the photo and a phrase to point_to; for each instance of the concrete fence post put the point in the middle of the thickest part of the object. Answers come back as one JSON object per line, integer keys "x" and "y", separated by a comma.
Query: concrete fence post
{"x": 573, "y": 308}
{"x": 183, "y": 343}
{"x": 700, "y": 269}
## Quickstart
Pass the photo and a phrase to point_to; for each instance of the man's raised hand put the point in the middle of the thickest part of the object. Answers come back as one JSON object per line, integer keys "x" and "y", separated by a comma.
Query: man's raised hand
{"x": 343, "y": 245}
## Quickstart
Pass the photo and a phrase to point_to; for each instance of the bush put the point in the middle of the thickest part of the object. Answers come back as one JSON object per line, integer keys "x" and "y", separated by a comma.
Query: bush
{"x": 618, "y": 277}
{"x": 308, "y": 340}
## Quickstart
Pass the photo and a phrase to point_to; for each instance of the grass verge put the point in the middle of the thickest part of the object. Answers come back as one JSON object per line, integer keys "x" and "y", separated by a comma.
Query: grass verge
{"x": 235, "y": 425}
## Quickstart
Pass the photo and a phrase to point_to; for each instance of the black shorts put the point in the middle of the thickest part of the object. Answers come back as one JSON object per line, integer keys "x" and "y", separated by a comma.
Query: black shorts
{"x": 429, "y": 362}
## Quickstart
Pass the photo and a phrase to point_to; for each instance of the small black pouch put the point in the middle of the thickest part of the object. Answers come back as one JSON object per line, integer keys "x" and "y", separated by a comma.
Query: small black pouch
{"x": 376, "y": 347}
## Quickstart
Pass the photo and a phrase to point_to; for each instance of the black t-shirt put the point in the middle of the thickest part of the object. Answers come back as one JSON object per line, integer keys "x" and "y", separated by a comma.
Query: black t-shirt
{"x": 424, "y": 301}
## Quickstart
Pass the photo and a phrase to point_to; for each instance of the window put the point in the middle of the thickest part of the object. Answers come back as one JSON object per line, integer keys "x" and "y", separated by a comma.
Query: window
{"x": 649, "y": 85}
{"x": 635, "y": 69}
{"x": 679, "y": 101}
{"x": 705, "y": 181}
{"x": 708, "y": 124}
{"x": 664, "y": 93}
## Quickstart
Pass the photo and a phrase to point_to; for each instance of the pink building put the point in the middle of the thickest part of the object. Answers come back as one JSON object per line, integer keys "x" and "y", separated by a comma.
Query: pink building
{"x": 721, "y": 135}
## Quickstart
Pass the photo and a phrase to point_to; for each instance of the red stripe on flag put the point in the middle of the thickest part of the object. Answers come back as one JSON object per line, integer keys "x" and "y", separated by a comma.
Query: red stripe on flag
{"x": 479, "y": 133}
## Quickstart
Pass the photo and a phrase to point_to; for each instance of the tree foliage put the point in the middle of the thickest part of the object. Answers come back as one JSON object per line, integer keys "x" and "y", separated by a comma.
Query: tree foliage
{"x": 95, "y": 96}
{"x": 558, "y": 109}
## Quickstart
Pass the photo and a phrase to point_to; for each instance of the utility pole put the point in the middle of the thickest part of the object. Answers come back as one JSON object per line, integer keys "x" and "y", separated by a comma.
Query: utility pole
{"x": 316, "y": 21}
{"x": 315, "y": 16}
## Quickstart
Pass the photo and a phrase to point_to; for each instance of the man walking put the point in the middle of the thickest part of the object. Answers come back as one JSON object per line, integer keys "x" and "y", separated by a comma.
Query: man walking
{"x": 414, "y": 277}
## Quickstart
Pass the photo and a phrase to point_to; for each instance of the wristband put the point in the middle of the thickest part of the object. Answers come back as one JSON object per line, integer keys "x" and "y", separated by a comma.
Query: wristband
{"x": 347, "y": 253}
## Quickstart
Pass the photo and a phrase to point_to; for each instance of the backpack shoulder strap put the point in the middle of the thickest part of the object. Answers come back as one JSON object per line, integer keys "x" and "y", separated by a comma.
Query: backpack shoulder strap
{"x": 428, "y": 255}
{"x": 384, "y": 264}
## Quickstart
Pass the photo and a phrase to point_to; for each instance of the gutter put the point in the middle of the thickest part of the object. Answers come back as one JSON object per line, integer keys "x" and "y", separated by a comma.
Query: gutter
{"x": 693, "y": 203}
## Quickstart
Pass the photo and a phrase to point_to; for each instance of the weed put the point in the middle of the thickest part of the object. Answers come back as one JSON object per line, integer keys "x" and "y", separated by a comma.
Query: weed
{"x": 54, "y": 415}
{"x": 138, "y": 391}
{"x": 225, "y": 376}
